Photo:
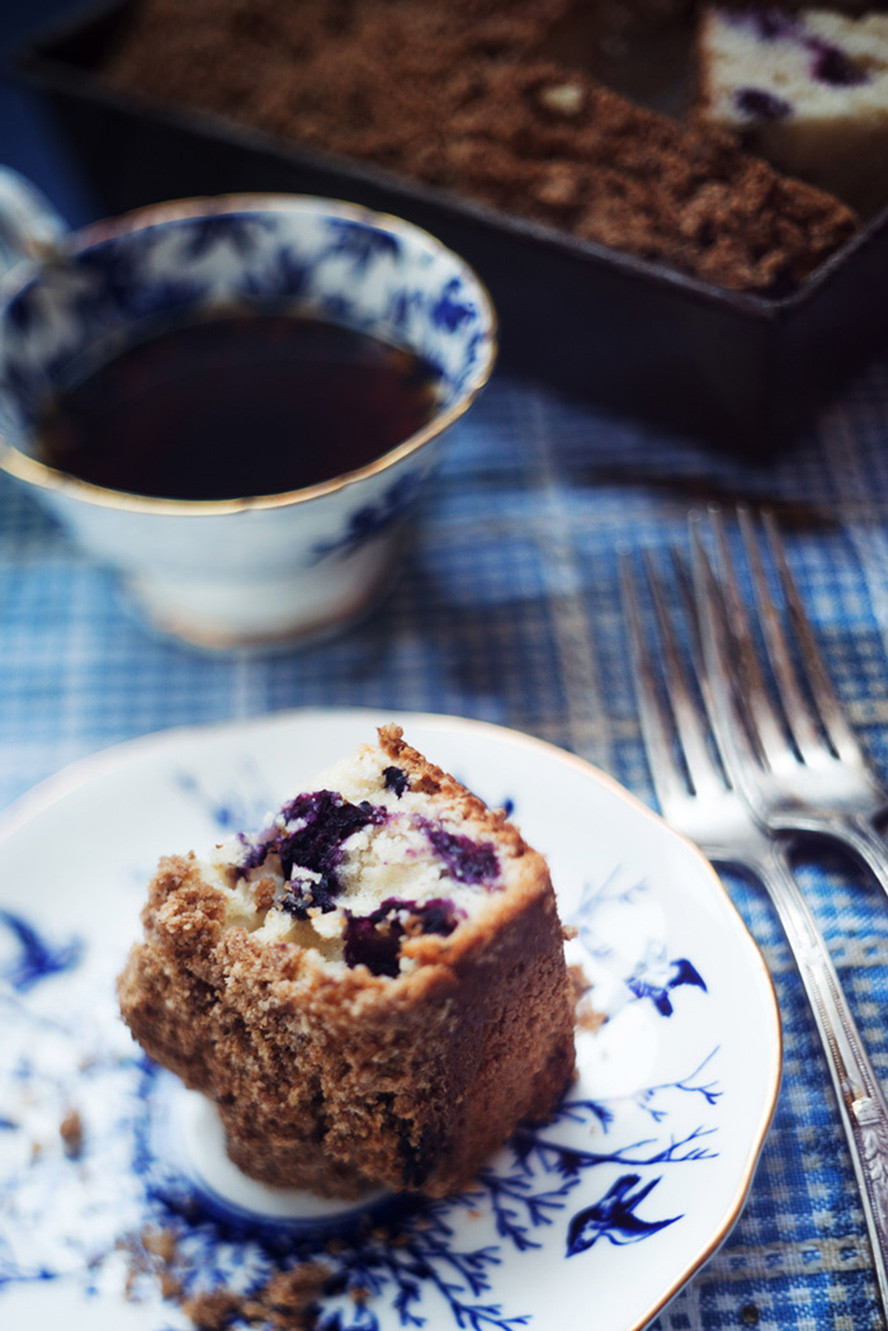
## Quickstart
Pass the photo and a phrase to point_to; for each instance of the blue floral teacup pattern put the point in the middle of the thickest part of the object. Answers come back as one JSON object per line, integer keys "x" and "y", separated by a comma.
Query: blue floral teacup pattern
{"x": 248, "y": 570}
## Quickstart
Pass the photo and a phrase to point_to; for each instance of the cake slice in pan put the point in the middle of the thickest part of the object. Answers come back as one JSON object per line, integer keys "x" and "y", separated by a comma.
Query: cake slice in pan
{"x": 808, "y": 91}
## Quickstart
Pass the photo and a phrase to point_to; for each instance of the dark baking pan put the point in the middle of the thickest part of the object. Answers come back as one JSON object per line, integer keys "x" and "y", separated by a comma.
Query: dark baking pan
{"x": 739, "y": 371}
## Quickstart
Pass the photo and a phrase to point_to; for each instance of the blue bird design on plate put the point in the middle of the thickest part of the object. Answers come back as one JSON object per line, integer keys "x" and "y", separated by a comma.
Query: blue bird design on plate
{"x": 657, "y": 976}
{"x": 37, "y": 958}
{"x": 614, "y": 1218}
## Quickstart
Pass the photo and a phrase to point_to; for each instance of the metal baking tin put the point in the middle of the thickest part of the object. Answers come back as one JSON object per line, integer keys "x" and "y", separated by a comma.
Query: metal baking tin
{"x": 738, "y": 371}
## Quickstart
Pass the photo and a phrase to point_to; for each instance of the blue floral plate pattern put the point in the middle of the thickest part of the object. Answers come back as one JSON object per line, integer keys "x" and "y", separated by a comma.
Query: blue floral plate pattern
{"x": 593, "y": 1220}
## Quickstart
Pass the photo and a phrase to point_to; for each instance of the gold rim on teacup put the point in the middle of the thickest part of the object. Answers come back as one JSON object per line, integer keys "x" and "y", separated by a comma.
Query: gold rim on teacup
{"x": 30, "y": 469}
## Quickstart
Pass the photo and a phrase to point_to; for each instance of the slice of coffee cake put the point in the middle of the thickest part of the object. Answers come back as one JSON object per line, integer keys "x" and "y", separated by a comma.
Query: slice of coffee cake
{"x": 373, "y": 990}
{"x": 807, "y": 90}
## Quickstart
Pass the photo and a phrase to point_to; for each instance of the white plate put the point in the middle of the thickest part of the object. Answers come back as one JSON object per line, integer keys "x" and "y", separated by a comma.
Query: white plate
{"x": 595, "y": 1220}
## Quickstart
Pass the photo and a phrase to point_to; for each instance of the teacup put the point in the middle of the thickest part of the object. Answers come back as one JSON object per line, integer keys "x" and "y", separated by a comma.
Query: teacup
{"x": 246, "y": 570}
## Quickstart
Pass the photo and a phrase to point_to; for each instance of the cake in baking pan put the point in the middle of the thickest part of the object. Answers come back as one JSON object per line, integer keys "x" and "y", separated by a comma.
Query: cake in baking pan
{"x": 808, "y": 90}
{"x": 493, "y": 101}
{"x": 373, "y": 990}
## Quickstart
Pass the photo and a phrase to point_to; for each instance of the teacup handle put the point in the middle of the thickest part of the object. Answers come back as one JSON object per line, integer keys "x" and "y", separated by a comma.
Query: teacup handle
{"x": 30, "y": 228}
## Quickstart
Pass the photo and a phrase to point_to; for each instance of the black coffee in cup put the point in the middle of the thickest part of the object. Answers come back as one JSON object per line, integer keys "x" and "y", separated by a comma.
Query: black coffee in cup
{"x": 224, "y": 408}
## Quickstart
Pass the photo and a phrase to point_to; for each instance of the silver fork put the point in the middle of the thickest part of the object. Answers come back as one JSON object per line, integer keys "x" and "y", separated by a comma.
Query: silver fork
{"x": 820, "y": 782}
{"x": 700, "y": 802}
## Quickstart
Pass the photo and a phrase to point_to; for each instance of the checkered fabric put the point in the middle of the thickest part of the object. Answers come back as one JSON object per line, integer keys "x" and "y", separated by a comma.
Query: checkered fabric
{"x": 508, "y": 610}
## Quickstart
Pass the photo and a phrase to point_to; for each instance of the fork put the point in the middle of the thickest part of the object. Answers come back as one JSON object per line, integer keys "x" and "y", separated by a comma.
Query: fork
{"x": 820, "y": 782}
{"x": 698, "y": 800}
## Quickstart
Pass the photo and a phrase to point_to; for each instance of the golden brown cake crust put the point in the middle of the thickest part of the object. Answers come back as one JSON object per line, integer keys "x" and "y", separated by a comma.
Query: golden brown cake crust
{"x": 340, "y": 1081}
{"x": 425, "y": 776}
{"x": 477, "y": 106}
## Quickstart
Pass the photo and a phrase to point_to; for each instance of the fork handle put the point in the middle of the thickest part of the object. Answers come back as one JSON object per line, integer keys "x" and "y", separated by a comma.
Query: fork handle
{"x": 862, "y": 1104}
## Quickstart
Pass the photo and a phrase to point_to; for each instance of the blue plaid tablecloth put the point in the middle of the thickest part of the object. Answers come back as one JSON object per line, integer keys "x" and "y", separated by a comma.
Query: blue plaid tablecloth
{"x": 508, "y": 610}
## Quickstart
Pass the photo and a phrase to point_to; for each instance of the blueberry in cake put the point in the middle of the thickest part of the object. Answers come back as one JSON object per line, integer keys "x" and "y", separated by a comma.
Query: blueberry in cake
{"x": 373, "y": 990}
{"x": 808, "y": 90}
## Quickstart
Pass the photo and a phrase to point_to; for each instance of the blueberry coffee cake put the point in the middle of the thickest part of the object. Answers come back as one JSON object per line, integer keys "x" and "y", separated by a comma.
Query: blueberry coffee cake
{"x": 807, "y": 90}
{"x": 372, "y": 990}
{"x": 494, "y": 101}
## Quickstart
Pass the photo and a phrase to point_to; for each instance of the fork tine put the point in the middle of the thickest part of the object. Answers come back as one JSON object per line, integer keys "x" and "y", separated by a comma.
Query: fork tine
{"x": 669, "y": 784}
{"x": 689, "y": 726}
{"x": 837, "y": 730}
{"x": 718, "y": 676}
{"x": 742, "y": 663}
{"x": 661, "y": 723}
{"x": 796, "y": 707}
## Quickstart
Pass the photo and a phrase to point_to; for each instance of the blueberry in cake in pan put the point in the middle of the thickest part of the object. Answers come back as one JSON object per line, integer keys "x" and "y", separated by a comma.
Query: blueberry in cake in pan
{"x": 807, "y": 90}
{"x": 373, "y": 990}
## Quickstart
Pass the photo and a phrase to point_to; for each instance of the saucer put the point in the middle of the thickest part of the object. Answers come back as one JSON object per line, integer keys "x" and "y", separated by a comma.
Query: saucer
{"x": 594, "y": 1219}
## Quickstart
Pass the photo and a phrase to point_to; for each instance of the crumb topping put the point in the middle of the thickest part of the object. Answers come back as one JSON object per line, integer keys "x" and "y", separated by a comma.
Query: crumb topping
{"x": 493, "y": 102}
